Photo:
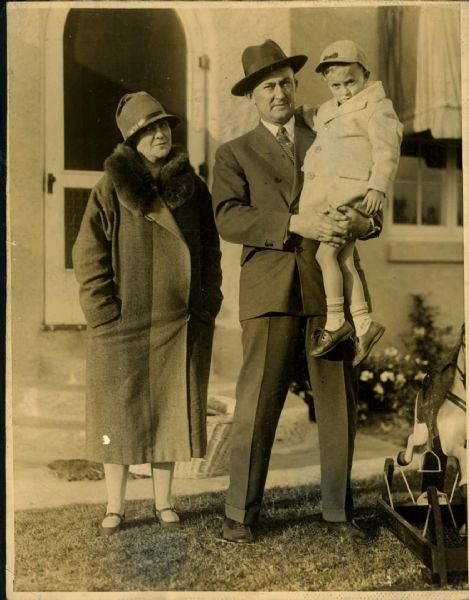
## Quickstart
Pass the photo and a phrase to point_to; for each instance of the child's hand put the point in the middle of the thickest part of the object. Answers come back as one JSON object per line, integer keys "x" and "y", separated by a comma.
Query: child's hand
{"x": 373, "y": 202}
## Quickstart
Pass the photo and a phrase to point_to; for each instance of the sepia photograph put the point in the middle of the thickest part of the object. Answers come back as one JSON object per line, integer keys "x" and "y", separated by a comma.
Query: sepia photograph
{"x": 236, "y": 306}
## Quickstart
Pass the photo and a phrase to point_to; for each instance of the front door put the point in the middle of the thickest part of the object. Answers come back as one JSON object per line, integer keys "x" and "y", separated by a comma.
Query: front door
{"x": 94, "y": 57}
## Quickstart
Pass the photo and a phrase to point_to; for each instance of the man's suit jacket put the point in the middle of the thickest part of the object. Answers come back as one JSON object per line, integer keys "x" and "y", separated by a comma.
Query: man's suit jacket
{"x": 255, "y": 191}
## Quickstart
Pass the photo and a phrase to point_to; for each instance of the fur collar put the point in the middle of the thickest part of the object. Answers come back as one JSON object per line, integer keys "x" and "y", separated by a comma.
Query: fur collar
{"x": 135, "y": 186}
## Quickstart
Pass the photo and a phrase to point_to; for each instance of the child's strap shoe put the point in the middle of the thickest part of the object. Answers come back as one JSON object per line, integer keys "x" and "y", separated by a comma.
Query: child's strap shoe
{"x": 324, "y": 341}
{"x": 365, "y": 342}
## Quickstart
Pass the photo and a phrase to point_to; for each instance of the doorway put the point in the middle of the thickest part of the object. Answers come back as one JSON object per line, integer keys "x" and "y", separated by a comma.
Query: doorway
{"x": 93, "y": 58}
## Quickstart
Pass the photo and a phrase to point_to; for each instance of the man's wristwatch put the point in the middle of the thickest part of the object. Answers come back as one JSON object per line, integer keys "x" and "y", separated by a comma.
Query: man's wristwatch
{"x": 373, "y": 230}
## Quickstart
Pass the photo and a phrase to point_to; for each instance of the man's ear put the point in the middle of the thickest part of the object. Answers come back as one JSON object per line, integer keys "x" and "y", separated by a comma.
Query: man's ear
{"x": 296, "y": 82}
{"x": 366, "y": 75}
{"x": 250, "y": 98}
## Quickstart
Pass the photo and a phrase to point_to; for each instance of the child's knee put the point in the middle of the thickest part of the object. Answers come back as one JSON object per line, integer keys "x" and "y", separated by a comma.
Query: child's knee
{"x": 346, "y": 256}
{"x": 326, "y": 254}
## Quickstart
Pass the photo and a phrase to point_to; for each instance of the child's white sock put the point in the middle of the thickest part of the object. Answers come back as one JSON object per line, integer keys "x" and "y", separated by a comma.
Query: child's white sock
{"x": 361, "y": 318}
{"x": 335, "y": 313}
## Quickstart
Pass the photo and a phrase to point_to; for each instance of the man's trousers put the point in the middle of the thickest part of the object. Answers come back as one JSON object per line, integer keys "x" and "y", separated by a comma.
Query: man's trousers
{"x": 269, "y": 344}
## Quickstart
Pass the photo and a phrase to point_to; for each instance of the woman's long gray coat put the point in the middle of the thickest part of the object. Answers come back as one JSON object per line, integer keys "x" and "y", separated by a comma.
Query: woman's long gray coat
{"x": 147, "y": 259}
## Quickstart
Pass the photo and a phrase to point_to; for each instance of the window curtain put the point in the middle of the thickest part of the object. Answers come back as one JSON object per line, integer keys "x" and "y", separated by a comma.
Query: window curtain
{"x": 421, "y": 67}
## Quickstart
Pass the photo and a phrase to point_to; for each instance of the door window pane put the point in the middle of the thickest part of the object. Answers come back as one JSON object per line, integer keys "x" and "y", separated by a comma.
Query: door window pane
{"x": 111, "y": 52}
{"x": 75, "y": 200}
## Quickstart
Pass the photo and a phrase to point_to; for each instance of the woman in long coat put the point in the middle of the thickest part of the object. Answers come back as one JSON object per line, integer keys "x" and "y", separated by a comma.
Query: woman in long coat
{"x": 147, "y": 259}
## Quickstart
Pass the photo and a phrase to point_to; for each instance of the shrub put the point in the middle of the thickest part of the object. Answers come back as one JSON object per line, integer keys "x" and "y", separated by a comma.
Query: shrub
{"x": 389, "y": 379}
{"x": 426, "y": 340}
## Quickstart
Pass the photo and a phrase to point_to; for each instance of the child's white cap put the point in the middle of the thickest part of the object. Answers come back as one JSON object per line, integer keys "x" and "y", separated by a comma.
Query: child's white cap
{"x": 342, "y": 51}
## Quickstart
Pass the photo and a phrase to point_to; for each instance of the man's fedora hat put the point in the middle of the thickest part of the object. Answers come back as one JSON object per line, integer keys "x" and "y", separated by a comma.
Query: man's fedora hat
{"x": 136, "y": 111}
{"x": 259, "y": 61}
{"x": 342, "y": 51}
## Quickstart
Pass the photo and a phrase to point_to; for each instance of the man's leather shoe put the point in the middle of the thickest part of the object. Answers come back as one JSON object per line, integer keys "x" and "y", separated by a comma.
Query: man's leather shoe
{"x": 352, "y": 529}
{"x": 366, "y": 342}
{"x": 236, "y": 532}
{"x": 324, "y": 341}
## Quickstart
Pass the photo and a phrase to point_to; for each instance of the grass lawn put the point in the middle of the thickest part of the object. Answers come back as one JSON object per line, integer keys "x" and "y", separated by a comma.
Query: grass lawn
{"x": 59, "y": 549}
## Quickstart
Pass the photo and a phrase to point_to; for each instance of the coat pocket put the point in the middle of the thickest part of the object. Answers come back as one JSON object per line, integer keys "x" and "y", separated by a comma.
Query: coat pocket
{"x": 360, "y": 173}
{"x": 247, "y": 253}
{"x": 107, "y": 326}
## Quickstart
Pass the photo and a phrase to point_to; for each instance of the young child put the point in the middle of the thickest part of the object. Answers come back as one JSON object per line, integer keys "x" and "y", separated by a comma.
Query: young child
{"x": 352, "y": 162}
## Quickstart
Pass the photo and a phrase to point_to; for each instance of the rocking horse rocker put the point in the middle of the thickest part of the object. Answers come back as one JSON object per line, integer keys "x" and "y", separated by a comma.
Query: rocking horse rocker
{"x": 434, "y": 525}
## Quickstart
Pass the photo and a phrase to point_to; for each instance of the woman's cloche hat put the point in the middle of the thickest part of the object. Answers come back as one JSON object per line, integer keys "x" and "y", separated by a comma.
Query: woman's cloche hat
{"x": 137, "y": 110}
{"x": 259, "y": 61}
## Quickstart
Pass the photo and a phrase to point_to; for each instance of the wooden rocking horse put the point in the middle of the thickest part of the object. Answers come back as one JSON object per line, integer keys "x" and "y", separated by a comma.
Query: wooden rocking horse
{"x": 440, "y": 419}
{"x": 434, "y": 525}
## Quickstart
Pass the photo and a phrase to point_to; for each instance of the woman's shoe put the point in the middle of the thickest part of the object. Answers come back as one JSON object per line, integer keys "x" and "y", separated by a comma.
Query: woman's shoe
{"x": 164, "y": 522}
{"x": 116, "y": 518}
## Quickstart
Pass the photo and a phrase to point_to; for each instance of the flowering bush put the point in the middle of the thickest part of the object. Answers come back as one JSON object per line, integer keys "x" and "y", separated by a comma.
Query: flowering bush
{"x": 425, "y": 339}
{"x": 390, "y": 379}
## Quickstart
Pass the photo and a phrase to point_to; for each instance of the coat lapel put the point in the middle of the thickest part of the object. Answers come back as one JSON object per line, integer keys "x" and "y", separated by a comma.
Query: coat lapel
{"x": 331, "y": 109}
{"x": 265, "y": 145}
{"x": 276, "y": 162}
{"x": 160, "y": 213}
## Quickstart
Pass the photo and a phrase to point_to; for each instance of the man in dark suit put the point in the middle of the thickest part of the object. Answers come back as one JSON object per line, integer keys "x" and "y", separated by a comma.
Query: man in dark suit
{"x": 257, "y": 184}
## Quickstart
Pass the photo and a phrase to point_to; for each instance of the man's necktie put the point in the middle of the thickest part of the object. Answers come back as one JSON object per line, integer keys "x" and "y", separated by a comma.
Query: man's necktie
{"x": 285, "y": 142}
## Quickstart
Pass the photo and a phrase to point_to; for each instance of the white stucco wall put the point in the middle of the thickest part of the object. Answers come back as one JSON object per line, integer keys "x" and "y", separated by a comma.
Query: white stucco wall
{"x": 391, "y": 283}
{"x": 226, "y": 34}
{"x": 309, "y": 31}
{"x": 231, "y": 31}
{"x": 25, "y": 30}
{"x": 312, "y": 29}
{"x": 229, "y": 116}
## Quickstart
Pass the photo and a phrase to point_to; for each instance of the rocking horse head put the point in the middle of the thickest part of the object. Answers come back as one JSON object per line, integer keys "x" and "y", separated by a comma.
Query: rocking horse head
{"x": 440, "y": 411}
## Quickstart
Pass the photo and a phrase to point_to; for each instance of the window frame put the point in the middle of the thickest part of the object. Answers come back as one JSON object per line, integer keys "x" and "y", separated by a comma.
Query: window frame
{"x": 449, "y": 230}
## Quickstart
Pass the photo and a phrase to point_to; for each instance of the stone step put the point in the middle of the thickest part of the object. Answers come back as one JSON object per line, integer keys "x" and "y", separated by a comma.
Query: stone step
{"x": 38, "y": 446}
{"x": 64, "y": 406}
{"x": 63, "y": 370}
{"x": 49, "y": 404}
{"x": 62, "y": 355}
{"x": 49, "y": 424}
{"x": 63, "y": 342}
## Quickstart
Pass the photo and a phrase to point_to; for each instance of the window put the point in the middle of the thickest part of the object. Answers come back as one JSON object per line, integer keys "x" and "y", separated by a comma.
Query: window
{"x": 427, "y": 201}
